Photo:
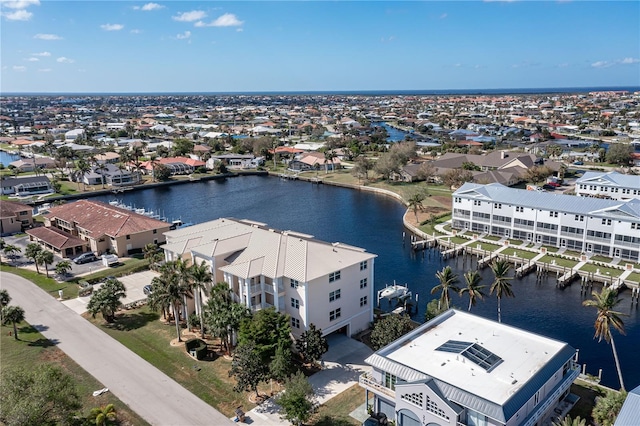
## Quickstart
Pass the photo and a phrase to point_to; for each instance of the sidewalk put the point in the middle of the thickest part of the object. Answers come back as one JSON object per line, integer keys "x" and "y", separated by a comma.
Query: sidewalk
{"x": 343, "y": 365}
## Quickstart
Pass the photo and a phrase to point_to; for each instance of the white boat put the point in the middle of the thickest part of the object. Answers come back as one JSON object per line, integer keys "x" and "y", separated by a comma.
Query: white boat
{"x": 393, "y": 291}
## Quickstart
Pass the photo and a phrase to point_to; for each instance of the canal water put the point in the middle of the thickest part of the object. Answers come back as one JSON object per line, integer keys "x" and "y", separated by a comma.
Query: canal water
{"x": 374, "y": 222}
{"x": 8, "y": 158}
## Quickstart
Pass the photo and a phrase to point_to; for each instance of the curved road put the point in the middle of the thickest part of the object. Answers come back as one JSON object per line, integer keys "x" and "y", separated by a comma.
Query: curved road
{"x": 146, "y": 390}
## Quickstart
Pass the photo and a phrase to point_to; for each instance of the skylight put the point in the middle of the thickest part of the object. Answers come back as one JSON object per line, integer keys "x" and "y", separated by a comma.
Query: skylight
{"x": 475, "y": 353}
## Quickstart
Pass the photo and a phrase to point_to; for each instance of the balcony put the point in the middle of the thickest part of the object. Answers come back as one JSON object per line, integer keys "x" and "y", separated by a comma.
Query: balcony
{"x": 552, "y": 398}
{"x": 369, "y": 383}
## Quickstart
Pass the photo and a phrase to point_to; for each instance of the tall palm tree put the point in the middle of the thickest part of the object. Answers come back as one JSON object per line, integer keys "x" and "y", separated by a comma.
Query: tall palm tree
{"x": 82, "y": 168}
{"x": 472, "y": 280}
{"x": 102, "y": 168}
{"x": 448, "y": 282}
{"x": 13, "y": 315}
{"x": 415, "y": 203}
{"x": 168, "y": 291}
{"x": 153, "y": 254}
{"x": 5, "y": 298}
{"x": 605, "y": 302}
{"x": 45, "y": 258}
{"x": 32, "y": 251}
{"x": 201, "y": 277}
{"x": 501, "y": 285}
{"x": 183, "y": 271}
{"x": 10, "y": 250}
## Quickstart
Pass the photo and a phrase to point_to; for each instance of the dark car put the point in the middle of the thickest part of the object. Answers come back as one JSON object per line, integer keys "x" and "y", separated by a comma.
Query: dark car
{"x": 85, "y": 258}
{"x": 147, "y": 289}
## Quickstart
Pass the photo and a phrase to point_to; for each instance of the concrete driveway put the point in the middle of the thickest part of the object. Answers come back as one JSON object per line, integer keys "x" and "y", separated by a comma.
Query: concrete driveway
{"x": 152, "y": 394}
{"x": 133, "y": 284}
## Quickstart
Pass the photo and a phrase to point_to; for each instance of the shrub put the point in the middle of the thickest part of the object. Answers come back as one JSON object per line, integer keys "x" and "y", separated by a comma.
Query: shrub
{"x": 197, "y": 347}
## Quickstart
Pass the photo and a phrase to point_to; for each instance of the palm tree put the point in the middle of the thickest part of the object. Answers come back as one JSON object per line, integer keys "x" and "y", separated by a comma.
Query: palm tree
{"x": 201, "y": 277}
{"x": 32, "y": 251}
{"x": 5, "y": 298}
{"x": 102, "y": 168}
{"x": 13, "y": 315}
{"x": 168, "y": 291}
{"x": 448, "y": 281}
{"x": 329, "y": 156}
{"x": 605, "y": 302}
{"x": 153, "y": 161}
{"x": 153, "y": 254}
{"x": 63, "y": 267}
{"x": 568, "y": 421}
{"x": 103, "y": 416}
{"x": 472, "y": 279}
{"x": 106, "y": 300}
{"x": 501, "y": 285}
{"x": 183, "y": 271}
{"x": 222, "y": 315}
{"x": 45, "y": 258}
{"x": 10, "y": 250}
{"x": 82, "y": 168}
{"x": 415, "y": 203}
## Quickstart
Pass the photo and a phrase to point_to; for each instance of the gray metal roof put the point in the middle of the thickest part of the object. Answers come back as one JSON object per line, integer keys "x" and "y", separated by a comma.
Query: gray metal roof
{"x": 497, "y": 193}
{"x": 630, "y": 413}
{"x": 610, "y": 179}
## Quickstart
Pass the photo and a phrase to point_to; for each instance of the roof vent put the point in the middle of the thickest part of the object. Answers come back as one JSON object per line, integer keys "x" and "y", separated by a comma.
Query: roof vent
{"x": 514, "y": 382}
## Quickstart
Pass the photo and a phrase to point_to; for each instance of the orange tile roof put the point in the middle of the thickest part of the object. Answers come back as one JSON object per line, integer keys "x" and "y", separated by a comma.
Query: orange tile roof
{"x": 56, "y": 237}
{"x": 103, "y": 219}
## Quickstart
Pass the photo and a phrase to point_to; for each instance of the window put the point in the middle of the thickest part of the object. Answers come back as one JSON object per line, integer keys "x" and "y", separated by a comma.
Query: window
{"x": 295, "y": 303}
{"x": 295, "y": 323}
{"x": 334, "y": 295}
{"x": 473, "y": 352}
{"x": 294, "y": 283}
{"x": 497, "y": 205}
{"x": 155, "y": 231}
{"x": 519, "y": 209}
{"x": 606, "y": 221}
{"x": 363, "y": 283}
{"x": 128, "y": 237}
{"x": 334, "y": 315}
{"x": 363, "y": 301}
{"x": 579, "y": 218}
{"x": 553, "y": 214}
{"x": 363, "y": 265}
{"x": 334, "y": 276}
{"x": 414, "y": 398}
{"x": 635, "y": 226}
{"x": 477, "y": 202}
{"x": 458, "y": 200}
{"x": 390, "y": 380}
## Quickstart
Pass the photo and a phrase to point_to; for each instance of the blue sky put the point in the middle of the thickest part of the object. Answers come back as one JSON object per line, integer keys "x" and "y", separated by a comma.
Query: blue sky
{"x": 245, "y": 46}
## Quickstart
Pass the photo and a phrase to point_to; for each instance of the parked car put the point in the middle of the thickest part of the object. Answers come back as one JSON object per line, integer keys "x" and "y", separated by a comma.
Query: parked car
{"x": 578, "y": 163}
{"x": 147, "y": 289}
{"x": 85, "y": 258}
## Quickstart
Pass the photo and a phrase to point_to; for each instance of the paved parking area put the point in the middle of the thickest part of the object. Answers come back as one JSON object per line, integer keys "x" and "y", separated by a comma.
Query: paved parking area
{"x": 133, "y": 284}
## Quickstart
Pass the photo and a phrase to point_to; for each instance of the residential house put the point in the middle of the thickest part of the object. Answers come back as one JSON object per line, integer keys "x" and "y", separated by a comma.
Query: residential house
{"x": 105, "y": 228}
{"x": 176, "y": 165}
{"x": 31, "y": 164}
{"x": 462, "y": 369}
{"x": 232, "y": 161}
{"x": 612, "y": 185}
{"x": 286, "y": 270}
{"x": 14, "y": 217}
{"x": 582, "y": 224}
{"x": 313, "y": 161}
{"x": 26, "y": 185}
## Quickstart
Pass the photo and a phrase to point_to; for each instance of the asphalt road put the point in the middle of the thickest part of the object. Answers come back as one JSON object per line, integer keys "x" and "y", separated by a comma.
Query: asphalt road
{"x": 146, "y": 390}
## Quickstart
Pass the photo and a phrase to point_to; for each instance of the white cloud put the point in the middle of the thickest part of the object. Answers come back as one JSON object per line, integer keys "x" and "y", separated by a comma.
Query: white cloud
{"x": 627, "y": 61}
{"x": 226, "y": 20}
{"x": 563, "y": 65}
{"x": 64, "y": 60}
{"x": 32, "y": 59}
{"x": 135, "y": 31}
{"x": 47, "y": 37}
{"x": 19, "y": 4}
{"x": 18, "y": 15}
{"x": 42, "y": 54}
{"x": 44, "y": 70}
{"x": 601, "y": 64}
{"x": 112, "y": 27}
{"x": 149, "y": 7}
{"x": 19, "y": 68}
{"x": 443, "y": 16}
{"x": 184, "y": 36}
{"x": 194, "y": 15}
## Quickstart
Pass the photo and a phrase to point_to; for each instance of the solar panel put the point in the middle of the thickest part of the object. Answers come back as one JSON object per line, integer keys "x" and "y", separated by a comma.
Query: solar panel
{"x": 475, "y": 353}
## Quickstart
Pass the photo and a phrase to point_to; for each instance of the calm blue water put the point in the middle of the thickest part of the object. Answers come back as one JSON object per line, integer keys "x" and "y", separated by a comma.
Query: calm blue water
{"x": 7, "y": 158}
{"x": 395, "y": 135}
{"x": 374, "y": 222}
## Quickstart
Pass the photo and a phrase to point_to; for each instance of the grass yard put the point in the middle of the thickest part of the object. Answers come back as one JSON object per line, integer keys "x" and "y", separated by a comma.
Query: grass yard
{"x": 600, "y": 258}
{"x": 523, "y": 254}
{"x": 559, "y": 261}
{"x": 492, "y": 238}
{"x": 146, "y": 334}
{"x": 49, "y": 285}
{"x": 33, "y": 349}
{"x": 127, "y": 267}
{"x": 603, "y": 270}
{"x": 634, "y": 276}
{"x": 489, "y": 246}
{"x": 336, "y": 411}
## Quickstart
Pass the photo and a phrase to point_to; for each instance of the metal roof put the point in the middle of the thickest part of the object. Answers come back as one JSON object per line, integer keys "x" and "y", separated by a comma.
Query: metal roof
{"x": 630, "y": 413}
{"x": 610, "y": 179}
{"x": 498, "y": 193}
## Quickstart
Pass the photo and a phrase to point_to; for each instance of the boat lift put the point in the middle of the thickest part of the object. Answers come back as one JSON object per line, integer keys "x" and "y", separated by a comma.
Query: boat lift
{"x": 395, "y": 291}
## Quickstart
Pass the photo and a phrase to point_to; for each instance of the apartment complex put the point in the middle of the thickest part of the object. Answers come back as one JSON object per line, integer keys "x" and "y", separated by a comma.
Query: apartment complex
{"x": 14, "y": 217}
{"x": 314, "y": 282}
{"x": 102, "y": 227}
{"x": 463, "y": 369}
{"x": 591, "y": 225}
{"x": 612, "y": 185}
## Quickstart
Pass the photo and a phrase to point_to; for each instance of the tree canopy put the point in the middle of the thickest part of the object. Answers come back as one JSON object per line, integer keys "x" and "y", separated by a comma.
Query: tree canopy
{"x": 297, "y": 401}
{"x": 106, "y": 300}
{"x": 312, "y": 344}
{"x": 267, "y": 328}
{"x": 389, "y": 329}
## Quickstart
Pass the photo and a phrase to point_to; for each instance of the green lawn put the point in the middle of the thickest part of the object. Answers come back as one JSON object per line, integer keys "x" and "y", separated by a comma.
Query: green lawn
{"x": 127, "y": 267}
{"x": 603, "y": 270}
{"x": 488, "y": 246}
{"x": 49, "y": 285}
{"x": 523, "y": 254}
{"x": 634, "y": 276}
{"x": 34, "y": 349}
{"x": 559, "y": 261}
{"x": 492, "y": 238}
{"x": 335, "y": 412}
{"x": 599, "y": 258}
{"x": 146, "y": 334}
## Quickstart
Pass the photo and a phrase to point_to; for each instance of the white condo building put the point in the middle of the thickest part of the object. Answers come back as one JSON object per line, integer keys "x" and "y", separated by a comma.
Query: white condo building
{"x": 314, "y": 282}
{"x": 613, "y": 185}
{"x": 584, "y": 224}
{"x": 461, "y": 369}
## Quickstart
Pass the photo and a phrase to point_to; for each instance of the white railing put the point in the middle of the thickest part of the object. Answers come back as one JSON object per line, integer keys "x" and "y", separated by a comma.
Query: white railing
{"x": 571, "y": 375}
{"x": 367, "y": 381}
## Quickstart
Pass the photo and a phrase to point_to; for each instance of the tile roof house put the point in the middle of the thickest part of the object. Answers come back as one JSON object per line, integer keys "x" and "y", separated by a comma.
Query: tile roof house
{"x": 106, "y": 228}
{"x": 14, "y": 217}
{"x": 314, "y": 282}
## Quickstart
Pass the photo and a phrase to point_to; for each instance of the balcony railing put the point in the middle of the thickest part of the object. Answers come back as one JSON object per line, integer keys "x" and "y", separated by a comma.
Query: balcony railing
{"x": 367, "y": 381}
{"x": 570, "y": 376}
{"x": 591, "y": 238}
